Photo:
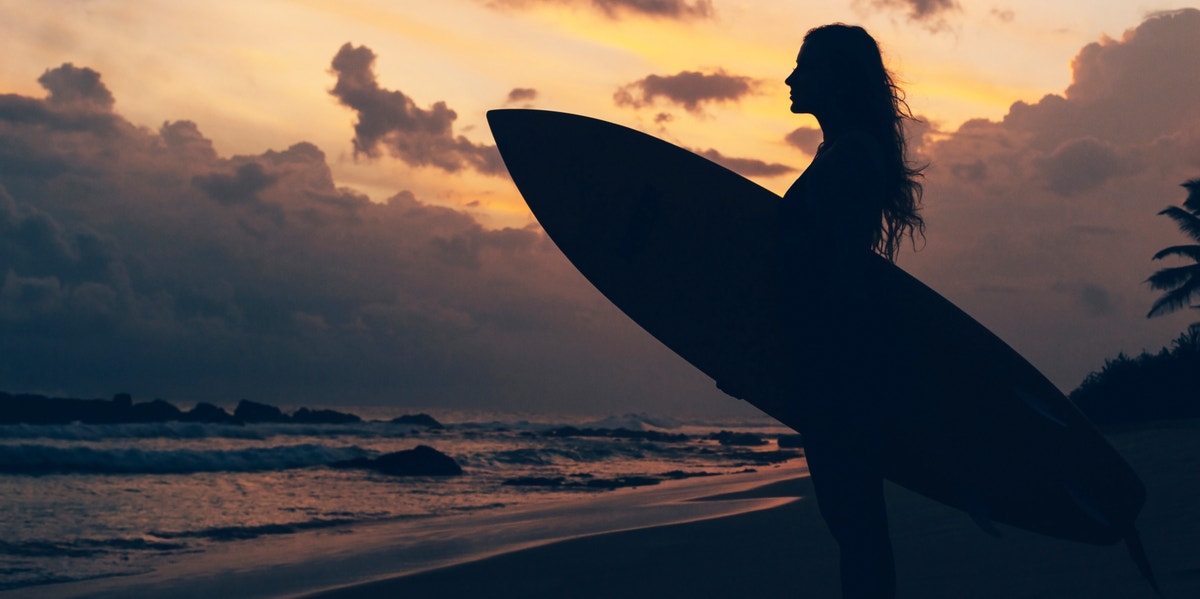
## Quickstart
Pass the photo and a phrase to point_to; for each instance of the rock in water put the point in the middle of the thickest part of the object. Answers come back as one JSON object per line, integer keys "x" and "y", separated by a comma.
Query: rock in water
{"x": 421, "y": 460}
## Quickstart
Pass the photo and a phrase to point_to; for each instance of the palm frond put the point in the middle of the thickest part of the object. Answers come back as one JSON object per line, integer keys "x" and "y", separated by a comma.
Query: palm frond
{"x": 1177, "y": 276}
{"x": 1173, "y": 300}
{"x": 1193, "y": 200}
{"x": 1186, "y": 251}
{"x": 1189, "y": 223}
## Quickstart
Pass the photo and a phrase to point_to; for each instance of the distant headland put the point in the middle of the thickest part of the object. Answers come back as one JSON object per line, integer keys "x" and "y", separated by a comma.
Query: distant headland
{"x": 121, "y": 409}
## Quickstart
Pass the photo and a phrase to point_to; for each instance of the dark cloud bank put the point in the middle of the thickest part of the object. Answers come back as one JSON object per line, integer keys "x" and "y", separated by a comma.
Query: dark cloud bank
{"x": 1042, "y": 224}
{"x": 142, "y": 261}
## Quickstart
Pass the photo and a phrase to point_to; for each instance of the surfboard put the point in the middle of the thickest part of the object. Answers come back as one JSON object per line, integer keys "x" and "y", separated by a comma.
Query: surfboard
{"x": 689, "y": 251}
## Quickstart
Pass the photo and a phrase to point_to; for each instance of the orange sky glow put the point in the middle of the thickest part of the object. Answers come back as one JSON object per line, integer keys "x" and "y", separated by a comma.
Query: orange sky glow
{"x": 1054, "y": 133}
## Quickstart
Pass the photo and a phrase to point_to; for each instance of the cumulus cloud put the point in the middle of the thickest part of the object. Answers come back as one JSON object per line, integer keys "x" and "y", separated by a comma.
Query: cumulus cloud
{"x": 142, "y": 260}
{"x": 932, "y": 14}
{"x": 522, "y": 95}
{"x": 1056, "y": 203}
{"x": 749, "y": 167}
{"x": 239, "y": 187}
{"x": 392, "y": 120}
{"x": 805, "y": 139}
{"x": 72, "y": 86}
{"x": 1082, "y": 165}
{"x": 689, "y": 89}
{"x": 615, "y": 9}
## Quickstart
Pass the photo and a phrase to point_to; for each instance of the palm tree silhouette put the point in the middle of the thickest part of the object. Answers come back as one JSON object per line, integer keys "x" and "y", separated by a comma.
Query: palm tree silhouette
{"x": 1181, "y": 283}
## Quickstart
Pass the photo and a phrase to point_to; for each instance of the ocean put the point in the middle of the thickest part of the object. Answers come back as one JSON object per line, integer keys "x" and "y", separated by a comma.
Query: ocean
{"x": 88, "y": 501}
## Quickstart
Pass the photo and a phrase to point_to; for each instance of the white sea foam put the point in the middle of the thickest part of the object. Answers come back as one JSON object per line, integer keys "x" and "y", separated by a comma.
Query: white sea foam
{"x": 98, "y": 500}
{"x": 44, "y": 459}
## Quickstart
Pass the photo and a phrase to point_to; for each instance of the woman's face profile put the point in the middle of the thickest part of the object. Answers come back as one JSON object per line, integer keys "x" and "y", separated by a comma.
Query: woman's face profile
{"x": 803, "y": 83}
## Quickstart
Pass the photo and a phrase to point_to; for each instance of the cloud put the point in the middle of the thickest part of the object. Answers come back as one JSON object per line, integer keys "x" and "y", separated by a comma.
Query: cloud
{"x": 1056, "y": 203}
{"x": 1082, "y": 165}
{"x": 239, "y": 187}
{"x": 141, "y": 260}
{"x": 932, "y": 14}
{"x": 749, "y": 167}
{"x": 615, "y": 9}
{"x": 805, "y": 139}
{"x": 522, "y": 95}
{"x": 1004, "y": 15}
{"x": 689, "y": 89}
{"x": 71, "y": 86}
{"x": 389, "y": 118}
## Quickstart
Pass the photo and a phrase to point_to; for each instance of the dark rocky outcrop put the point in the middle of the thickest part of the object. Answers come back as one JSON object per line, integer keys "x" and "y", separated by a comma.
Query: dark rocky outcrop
{"x": 307, "y": 416}
{"x": 424, "y": 420}
{"x": 421, "y": 460}
{"x": 154, "y": 411}
{"x": 206, "y": 412}
{"x": 253, "y": 412}
{"x": 39, "y": 410}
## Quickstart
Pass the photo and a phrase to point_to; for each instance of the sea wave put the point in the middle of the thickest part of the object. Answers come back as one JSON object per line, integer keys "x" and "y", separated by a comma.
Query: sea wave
{"x": 636, "y": 422}
{"x": 84, "y": 547}
{"x": 237, "y": 533}
{"x": 44, "y": 459}
{"x": 203, "y": 430}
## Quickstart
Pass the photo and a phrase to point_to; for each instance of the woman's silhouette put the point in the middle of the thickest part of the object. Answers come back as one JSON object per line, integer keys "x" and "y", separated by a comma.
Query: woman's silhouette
{"x": 859, "y": 195}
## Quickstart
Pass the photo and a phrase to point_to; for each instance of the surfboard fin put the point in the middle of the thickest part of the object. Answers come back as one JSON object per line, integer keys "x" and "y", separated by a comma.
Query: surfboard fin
{"x": 1133, "y": 542}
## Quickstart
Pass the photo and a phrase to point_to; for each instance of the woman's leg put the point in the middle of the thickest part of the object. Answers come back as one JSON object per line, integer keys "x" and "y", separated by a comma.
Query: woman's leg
{"x": 844, "y": 465}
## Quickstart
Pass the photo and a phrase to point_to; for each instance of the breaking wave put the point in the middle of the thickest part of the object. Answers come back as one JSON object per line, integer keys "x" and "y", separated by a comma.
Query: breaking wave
{"x": 44, "y": 459}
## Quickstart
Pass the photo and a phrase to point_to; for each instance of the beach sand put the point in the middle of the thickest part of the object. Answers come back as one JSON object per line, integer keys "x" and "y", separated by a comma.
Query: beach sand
{"x": 755, "y": 536}
{"x": 786, "y": 551}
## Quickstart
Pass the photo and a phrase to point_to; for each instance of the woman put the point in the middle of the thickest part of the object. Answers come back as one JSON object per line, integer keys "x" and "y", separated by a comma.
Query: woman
{"x": 858, "y": 195}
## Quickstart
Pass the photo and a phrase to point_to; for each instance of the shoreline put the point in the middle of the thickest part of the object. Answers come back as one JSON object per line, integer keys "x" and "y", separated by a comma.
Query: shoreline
{"x": 758, "y": 536}
{"x": 311, "y": 561}
{"x": 682, "y": 559}
{"x": 786, "y": 550}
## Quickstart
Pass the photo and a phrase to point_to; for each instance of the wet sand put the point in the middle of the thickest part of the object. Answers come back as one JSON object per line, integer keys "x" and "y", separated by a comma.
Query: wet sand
{"x": 757, "y": 536}
{"x": 786, "y": 551}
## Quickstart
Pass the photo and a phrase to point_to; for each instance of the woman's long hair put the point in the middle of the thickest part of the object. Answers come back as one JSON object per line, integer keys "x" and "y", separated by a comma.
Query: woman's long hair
{"x": 870, "y": 96}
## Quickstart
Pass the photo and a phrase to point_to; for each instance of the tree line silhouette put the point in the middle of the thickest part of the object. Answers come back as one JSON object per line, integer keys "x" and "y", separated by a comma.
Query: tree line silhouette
{"x": 1164, "y": 385}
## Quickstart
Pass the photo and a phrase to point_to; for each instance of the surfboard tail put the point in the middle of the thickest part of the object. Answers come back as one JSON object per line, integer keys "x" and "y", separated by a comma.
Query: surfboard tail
{"x": 1133, "y": 542}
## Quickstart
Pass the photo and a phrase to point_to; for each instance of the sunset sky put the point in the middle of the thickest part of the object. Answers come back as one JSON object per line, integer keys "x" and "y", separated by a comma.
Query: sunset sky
{"x": 299, "y": 202}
